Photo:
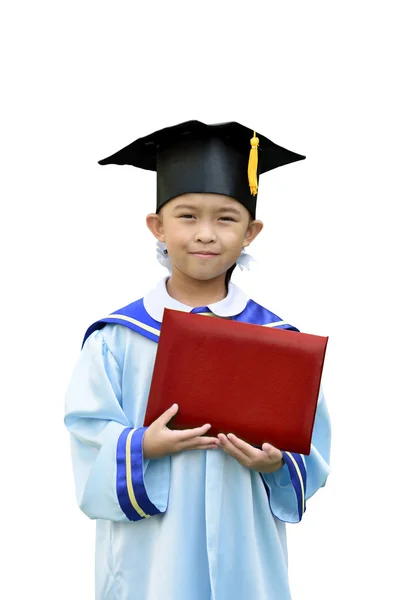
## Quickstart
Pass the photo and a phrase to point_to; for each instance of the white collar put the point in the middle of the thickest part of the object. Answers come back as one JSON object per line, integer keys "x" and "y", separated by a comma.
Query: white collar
{"x": 158, "y": 298}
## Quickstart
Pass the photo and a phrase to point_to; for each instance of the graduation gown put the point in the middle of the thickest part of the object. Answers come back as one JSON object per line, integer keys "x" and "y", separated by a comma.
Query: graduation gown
{"x": 193, "y": 526}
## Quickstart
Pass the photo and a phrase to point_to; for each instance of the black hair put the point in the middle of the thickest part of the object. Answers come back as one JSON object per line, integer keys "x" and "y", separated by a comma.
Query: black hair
{"x": 228, "y": 275}
{"x": 229, "y": 272}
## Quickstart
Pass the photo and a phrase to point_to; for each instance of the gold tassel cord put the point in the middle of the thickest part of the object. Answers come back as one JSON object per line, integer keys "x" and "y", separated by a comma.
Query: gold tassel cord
{"x": 253, "y": 164}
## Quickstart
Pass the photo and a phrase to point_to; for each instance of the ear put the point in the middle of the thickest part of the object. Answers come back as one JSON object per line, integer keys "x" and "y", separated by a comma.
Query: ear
{"x": 155, "y": 224}
{"x": 254, "y": 228}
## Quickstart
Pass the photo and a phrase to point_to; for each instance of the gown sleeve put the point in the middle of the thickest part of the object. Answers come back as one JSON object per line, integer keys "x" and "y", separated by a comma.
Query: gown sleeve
{"x": 301, "y": 476}
{"x": 112, "y": 480}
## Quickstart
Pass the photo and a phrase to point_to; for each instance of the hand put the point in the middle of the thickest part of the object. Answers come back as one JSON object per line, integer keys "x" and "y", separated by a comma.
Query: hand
{"x": 159, "y": 441}
{"x": 267, "y": 460}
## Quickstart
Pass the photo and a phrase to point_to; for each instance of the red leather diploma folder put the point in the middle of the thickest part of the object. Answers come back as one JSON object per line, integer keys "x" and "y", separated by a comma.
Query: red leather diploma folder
{"x": 257, "y": 382}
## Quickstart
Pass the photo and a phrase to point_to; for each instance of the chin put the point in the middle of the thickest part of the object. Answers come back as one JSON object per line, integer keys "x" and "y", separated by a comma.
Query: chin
{"x": 202, "y": 275}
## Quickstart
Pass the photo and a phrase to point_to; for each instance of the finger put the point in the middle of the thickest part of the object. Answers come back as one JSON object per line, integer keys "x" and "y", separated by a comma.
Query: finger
{"x": 189, "y": 434}
{"x": 208, "y": 447}
{"x": 199, "y": 442}
{"x": 167, "y": 415}
{"x": 228, "y": 447}
{"x": 207, "y": 440}
{"x": 273, "y": 453}
{"x": 246, "y": 448}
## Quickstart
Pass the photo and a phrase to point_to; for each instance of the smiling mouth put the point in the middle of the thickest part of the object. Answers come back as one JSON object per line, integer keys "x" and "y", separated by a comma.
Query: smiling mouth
{"x": 204, "y": 254}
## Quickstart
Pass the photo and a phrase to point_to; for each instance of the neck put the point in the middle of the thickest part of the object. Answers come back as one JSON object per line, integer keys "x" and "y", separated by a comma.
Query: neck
{"x": 195, "y": 292}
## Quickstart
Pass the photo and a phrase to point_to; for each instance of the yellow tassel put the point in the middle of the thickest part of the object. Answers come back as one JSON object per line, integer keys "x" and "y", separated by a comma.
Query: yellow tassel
{"x": 253, "y": 164}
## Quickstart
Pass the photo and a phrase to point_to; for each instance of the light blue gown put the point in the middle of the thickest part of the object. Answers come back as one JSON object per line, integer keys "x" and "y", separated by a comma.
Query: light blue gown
{"x": 194, "y": 526}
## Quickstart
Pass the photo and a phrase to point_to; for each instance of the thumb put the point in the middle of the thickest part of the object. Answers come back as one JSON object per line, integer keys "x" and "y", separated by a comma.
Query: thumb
{"x": 168, "y": 414}
{"x": 272, "y": 452}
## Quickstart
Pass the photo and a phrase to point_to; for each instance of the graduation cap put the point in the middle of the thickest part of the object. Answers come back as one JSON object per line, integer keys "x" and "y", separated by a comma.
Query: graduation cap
{"x": 225, "y": 158}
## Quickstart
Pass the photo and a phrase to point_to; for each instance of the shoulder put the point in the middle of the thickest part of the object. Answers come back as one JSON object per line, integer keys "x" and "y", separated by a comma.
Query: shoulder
{"x": 258, "y": 314}
{"x": 112, "y": 327}
{"x": 118, "y": 343}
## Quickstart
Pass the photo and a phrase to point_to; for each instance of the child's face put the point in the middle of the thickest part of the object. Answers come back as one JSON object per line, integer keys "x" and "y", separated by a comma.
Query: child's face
{"x": 205, "y": 223}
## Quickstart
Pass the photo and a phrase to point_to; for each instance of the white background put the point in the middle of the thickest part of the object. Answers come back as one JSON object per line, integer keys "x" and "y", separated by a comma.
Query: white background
{"x": 82, "y": 79}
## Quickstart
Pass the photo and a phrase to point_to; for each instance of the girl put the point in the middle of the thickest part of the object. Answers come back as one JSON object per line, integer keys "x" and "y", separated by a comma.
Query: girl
{"x": 181, "y": 515}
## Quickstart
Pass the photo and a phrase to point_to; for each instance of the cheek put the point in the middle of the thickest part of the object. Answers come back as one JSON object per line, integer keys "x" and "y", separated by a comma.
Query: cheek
{"x": 178, "y": 240}
{"x": 233, "y": 240}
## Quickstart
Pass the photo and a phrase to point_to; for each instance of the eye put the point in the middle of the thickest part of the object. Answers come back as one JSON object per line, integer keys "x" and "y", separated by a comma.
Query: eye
{"x": 228, "y": 219}
{"x": 186, "y": 216}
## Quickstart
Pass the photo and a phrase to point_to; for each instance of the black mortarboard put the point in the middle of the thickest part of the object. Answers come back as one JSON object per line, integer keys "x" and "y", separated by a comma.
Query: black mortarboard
{"x": 195, "y": 157}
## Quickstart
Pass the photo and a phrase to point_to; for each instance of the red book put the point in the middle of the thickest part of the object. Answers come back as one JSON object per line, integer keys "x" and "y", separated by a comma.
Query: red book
{"x": 257, "y": 382}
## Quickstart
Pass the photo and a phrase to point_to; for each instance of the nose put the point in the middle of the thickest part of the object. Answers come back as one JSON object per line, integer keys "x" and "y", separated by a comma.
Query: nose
{"x": 205, "y": 233}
